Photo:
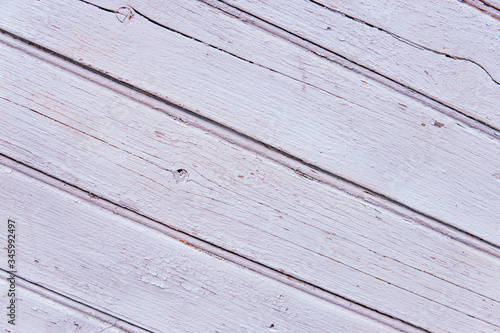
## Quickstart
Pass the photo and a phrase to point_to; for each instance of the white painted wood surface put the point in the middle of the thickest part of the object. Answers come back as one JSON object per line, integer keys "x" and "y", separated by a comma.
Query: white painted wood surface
{"x": 147, "y": 278}
{"x": 375, "y": 137}
{"x": 44, "y": 311}
{"x": 443, "y": 49}
{"x": 271, "y": 205}
{"x": 376, "y": 210}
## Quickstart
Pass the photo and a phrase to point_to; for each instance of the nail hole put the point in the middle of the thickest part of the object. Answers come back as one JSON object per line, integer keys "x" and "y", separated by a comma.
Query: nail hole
{"x": 181, "y": 176}
{"x": 124, "y": 14}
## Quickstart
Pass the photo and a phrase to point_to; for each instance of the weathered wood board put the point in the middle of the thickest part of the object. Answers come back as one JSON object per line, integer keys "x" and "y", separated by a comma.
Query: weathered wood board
{"x": 148, "y": 278}
{"x": 44, "y": 311}
{"x": 305, "y": 229}
{"x": 443, "y": 49}
{"x": 234, "y": 160}
{"x": 382, "y": 140}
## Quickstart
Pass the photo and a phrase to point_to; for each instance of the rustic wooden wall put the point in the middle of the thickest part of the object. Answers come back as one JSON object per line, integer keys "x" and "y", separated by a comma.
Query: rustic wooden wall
{"x": 251, "y": 166}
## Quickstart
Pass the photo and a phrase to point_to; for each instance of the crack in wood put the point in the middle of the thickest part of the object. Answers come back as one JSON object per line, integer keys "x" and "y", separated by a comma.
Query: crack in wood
{"x": 179, "y": 175}
{"x": 218, "y": 49}
{"x": 405, "y": 40}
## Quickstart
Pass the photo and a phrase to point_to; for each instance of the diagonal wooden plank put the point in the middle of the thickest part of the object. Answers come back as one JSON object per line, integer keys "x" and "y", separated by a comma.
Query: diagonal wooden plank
{"x": 129, "y": 153}
{"x": 406, "y": 151}
{"x": 38, "y": 310}
{"x": 490, "y": 8}
{"x": 442, "y": 49}
{"x": 148, "y": 278}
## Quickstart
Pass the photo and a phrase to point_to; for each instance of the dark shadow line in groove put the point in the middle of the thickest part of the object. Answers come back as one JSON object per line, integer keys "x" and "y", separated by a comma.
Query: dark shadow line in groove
{"x": 245, "y": 136}
{"x": 360, "y": 66}
{"x": 486, "y": 3}
{"x": 483, "y": 7}
{"x": 404, "y": 40}
{"x": 72, "y": 299}
{"x": 208, "y": 252}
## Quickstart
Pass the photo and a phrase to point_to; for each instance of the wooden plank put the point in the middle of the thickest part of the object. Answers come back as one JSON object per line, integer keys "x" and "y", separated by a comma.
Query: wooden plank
{"x": 491, "y": 3}
{"x": 491, "y": 8}
{"x": 373, "y": 136}
{"x": 151, "y": 280}
{"x": 38, "y": 312}
{"x": 128, "y": 153}
{"x": 440, "y": 48}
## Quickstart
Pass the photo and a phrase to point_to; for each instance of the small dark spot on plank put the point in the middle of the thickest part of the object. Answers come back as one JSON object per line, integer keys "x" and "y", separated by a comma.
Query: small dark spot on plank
{"x": 159, "y": 134}
{"x": 272, "y": 325}
{"x": 438, "y": 124}
{"x": 423, "y": 124}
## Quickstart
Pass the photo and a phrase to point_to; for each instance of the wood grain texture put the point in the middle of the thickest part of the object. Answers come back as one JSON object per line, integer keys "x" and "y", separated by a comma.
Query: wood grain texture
{"x": 128, "y": 153}
{"x": 356, "y": 129}
{"x": 39, "y": 313}
{"x": 444, "y": 49}
{"x": 147, "y": 278}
